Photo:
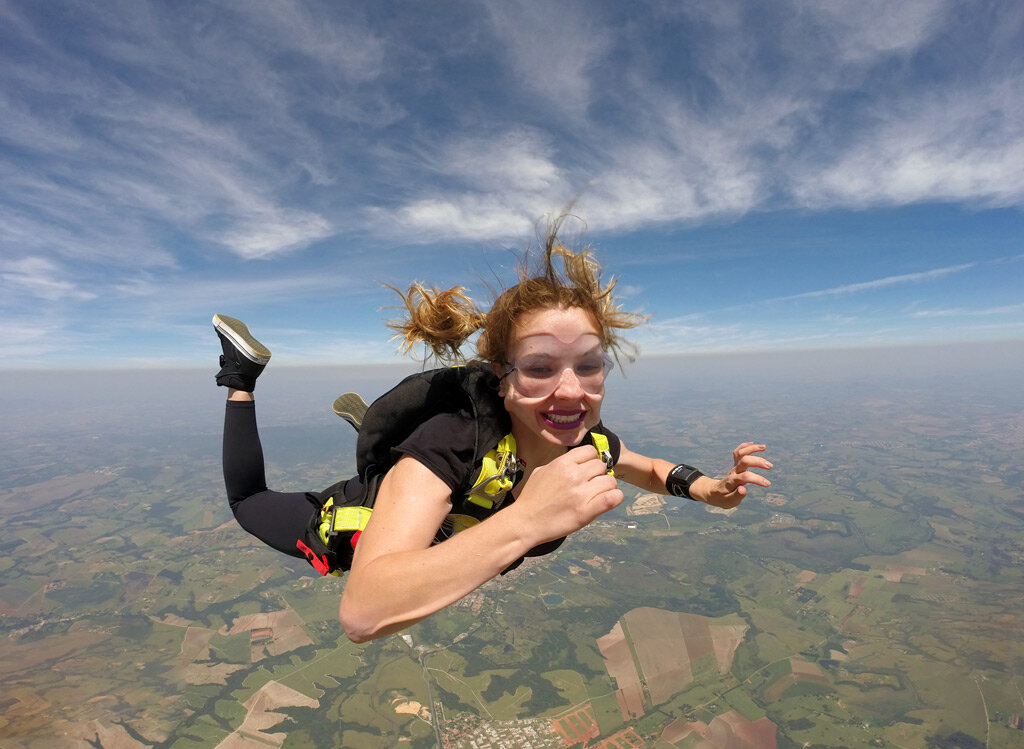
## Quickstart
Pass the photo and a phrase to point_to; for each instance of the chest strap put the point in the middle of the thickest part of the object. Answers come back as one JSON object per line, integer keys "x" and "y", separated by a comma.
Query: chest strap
{"x": 497, "y": 475}
{"x": 500, "y": 467}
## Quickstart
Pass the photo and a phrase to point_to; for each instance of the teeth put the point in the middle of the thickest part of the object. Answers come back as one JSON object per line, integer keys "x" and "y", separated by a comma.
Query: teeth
{"x": 564, "y": 419}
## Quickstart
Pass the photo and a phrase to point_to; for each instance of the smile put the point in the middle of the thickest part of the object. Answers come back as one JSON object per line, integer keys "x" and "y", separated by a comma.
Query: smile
{"x": 564, "y": 420}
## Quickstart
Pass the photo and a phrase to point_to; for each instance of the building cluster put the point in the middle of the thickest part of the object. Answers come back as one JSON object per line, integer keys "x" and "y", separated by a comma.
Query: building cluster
{"x": 467, "y": 731}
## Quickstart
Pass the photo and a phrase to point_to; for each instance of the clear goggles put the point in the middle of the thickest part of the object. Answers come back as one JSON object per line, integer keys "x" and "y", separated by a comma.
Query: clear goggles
{"x": 544, "y": 361}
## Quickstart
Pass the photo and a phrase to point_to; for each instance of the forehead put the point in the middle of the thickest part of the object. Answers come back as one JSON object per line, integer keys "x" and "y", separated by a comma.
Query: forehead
{"x": 572, "y": 329}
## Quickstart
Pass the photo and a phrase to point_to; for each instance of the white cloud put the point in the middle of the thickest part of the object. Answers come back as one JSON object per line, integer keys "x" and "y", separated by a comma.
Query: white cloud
{"x": 862, "y": 31}
{"x": 500, "y": 186}
{"x": 879, "y": 283}
{"x": 464, "y": 216}
{"x": 172, "y": 150}
{"x": 40, "y": 278}
{"x": 960, "y": 312}
{"x": 789, "y": 134}
{"x": 247, "y": 126}
{"x": 553, "y": 49}
{"x": 943, "y": 145}
{"x": 518, "y": 160}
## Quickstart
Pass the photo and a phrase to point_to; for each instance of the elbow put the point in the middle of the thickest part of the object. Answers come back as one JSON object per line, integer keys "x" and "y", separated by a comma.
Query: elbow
{"x": 360, "y": 628}
{"x": 358, "y": 637}
{"x": 357, "y": 629}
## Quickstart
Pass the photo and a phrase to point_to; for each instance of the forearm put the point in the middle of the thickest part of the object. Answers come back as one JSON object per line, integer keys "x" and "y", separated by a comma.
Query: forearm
{"x": 393, "y": 591}
{"x": 651, "y": 474}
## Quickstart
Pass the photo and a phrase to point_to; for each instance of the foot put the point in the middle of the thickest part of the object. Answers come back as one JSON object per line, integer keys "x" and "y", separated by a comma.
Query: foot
{"x": 244, "y": 357}
{"x": 351, "y": 407}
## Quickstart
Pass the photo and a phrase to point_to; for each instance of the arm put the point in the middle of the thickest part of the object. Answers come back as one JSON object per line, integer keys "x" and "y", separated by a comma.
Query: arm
{"x": 398, "y": 578}
{"x": 650, "y": 474}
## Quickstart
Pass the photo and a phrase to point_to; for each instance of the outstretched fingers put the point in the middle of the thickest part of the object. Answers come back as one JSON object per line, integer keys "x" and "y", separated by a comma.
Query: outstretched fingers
{"x": 745, "y": 458}
{"x": 747, "y": 448}
{"x": 738, "y": 479}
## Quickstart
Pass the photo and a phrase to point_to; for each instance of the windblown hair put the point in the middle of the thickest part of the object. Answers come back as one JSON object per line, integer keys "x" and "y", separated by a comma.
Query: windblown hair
{"x": 445, "y": 319}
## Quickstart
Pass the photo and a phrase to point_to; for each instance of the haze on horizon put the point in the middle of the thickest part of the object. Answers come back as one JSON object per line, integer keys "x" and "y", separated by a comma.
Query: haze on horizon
{"x": 35, "y": 403}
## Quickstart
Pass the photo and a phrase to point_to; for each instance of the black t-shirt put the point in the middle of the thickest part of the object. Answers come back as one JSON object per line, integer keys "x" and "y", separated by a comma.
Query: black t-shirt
{"x": 446, "y": 443}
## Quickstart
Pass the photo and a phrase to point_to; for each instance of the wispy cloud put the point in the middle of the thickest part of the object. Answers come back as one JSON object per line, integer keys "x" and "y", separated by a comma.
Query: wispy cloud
{"x": 554, "y": 50}
{"x": 849, "y": 113}
{"x": 244, "y": 126}
{"x": 879, "y": 283}
{"x": 40, "y": 278}
{"x": 959, "y": 312}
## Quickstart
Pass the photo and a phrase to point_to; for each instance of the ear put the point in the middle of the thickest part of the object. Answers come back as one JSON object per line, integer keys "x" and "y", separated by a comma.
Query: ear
{"x": 497, "y": 369}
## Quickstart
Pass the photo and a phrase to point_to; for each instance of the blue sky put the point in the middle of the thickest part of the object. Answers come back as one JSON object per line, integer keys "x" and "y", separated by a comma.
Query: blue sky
{"x": 758, "y": 175}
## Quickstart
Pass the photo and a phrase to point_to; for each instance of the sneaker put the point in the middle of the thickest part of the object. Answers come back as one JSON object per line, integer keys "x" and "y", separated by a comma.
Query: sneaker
{"x": 244, "y": 357}
{"x": 352, "y": 408}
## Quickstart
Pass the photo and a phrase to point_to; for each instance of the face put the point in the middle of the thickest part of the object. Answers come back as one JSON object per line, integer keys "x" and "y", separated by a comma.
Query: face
{"x": 553, "y": 393}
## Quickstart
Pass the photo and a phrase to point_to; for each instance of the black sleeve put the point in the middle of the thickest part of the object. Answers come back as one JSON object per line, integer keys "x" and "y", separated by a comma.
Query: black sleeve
{"x": 445, "y": 444}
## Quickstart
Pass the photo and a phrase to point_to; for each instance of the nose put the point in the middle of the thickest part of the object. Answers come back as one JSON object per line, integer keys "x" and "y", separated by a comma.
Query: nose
{"x": 569, "y": 385}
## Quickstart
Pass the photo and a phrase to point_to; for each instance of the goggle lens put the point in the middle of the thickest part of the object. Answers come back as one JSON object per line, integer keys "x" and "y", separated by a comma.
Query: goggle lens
{"x": 538, "y": 375}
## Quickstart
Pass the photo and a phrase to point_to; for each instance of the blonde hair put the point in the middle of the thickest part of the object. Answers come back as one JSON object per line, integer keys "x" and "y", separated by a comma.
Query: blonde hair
{"x": 445, "y": 319}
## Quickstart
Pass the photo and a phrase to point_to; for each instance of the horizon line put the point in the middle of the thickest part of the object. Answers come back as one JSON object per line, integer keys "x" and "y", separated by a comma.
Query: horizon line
{"x": 642, "y": 356}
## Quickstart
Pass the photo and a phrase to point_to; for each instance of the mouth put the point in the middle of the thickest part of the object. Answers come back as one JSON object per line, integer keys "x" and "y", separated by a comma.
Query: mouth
{"x": 564, "y": 419}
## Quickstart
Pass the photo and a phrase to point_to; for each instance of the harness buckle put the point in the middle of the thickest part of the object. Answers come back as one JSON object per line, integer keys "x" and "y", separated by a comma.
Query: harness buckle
{"x": 497, "y": 475}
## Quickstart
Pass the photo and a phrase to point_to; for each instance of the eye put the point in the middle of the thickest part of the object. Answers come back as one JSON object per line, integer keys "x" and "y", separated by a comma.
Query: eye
{"x": 588, "y": 368}
{"x": 537, "y": 371}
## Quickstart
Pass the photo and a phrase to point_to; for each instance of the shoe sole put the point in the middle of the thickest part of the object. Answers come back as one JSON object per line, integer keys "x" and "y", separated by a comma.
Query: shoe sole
{"x": 237, "y": 332}
{"x": 352, "y": 408}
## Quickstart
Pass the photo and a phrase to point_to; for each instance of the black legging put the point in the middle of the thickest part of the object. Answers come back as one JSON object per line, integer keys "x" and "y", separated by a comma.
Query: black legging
{"x": 278, "y": 519}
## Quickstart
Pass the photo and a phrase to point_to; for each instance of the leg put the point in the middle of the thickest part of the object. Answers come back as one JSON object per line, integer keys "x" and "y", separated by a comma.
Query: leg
{"x": 279, "y": 519}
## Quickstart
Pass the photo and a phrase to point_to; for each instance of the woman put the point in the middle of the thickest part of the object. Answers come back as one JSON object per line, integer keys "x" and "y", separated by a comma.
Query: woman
{"x": 546, "y": 342}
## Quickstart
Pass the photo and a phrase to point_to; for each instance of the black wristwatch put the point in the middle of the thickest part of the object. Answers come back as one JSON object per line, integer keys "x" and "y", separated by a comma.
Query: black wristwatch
{"x": 680, "y": 479}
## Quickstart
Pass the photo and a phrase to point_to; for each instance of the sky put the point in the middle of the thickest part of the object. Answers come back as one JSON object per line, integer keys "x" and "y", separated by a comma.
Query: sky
{"x": 758, "y": 176}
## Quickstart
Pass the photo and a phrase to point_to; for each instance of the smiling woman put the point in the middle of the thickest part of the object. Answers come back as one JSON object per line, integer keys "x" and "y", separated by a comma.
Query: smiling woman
{"x": 499, "y": 458}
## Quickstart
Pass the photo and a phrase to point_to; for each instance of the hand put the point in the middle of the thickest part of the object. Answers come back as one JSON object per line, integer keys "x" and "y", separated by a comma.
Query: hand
{"x": 565, "y": 495}
{"x": 728, "y": 492}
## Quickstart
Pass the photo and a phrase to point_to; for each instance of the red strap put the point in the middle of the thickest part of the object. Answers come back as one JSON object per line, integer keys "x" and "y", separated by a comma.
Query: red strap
{"x": 320, "y": 565}
{"x": 355, "y": 538}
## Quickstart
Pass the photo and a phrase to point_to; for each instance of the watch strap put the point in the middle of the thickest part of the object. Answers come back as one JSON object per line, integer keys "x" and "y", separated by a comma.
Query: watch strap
{"x": 680, "y": 479}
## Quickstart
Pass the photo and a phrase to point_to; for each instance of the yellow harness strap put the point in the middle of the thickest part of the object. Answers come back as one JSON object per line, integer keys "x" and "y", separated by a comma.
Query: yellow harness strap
{"x": 497, "y": 474}
{"x": 342, "y": 519}
{"x": 601, "y": 443}
{"x": 498, "y": 470}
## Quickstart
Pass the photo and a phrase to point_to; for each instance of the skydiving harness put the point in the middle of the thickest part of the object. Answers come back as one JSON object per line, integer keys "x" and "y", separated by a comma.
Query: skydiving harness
{"x": 500, "y": 471}
{"x": 334, "y": 530}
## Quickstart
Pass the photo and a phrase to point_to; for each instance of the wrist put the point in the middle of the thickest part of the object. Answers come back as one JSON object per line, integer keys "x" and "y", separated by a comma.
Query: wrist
{"x": 680, "y": 481}
{"x": 521, "y": 527}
